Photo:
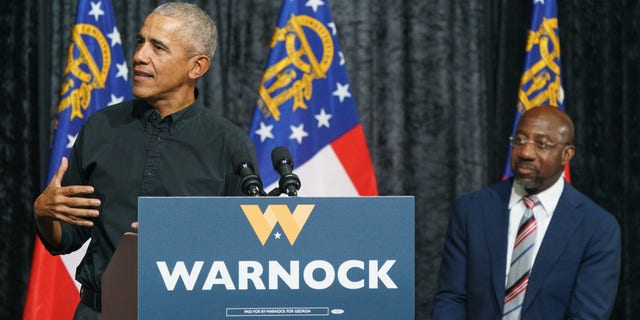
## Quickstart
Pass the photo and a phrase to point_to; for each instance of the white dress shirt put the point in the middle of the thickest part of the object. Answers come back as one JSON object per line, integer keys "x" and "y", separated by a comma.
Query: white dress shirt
{"x": 543, "y": 212}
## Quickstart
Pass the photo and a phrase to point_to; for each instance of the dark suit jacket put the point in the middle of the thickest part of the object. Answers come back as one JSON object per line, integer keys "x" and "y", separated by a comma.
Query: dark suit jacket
{"x": 574, "y": 276}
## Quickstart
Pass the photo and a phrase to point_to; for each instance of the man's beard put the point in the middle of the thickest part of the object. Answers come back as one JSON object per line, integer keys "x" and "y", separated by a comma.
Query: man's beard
{"x": 527, "y": 184}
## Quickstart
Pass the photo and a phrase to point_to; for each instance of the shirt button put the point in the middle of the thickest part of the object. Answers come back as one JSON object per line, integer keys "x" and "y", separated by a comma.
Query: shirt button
{"x": 147, "y": 173}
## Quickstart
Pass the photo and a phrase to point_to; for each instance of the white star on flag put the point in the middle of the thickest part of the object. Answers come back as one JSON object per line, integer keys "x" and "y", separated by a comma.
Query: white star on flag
{"x": 123, "y": 71}
{"x": 332, "y": 25}
{"x": 314, "y": 4}
{"x": 96, "y": 11}
{"x": 72, "y": 140}
{"x": 323, "y": 119}
{"x": 115, "y": 37}
{"x": 342, "y": 91}
{"x": 298, "y": 133}
{"x": 264, "y": 132}
{"x": 341, "y": 58}
{"x": 538, "y": 1}
{"x": 115, "y": 99}
{"x": 277, "y": 235}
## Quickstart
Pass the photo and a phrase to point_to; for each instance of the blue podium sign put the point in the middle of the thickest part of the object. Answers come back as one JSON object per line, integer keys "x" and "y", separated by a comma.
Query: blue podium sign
{"x": 275, "y": 257}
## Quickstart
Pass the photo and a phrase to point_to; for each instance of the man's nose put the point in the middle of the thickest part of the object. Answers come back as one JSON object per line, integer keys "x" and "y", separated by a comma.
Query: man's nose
{"x": 528, "y": 150}
{"x": 141, "y": 54}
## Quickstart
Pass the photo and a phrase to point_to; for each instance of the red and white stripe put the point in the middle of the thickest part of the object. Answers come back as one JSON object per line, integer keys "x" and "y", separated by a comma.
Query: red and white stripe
{"x": 53, "y": 293}
{"x": 341, "y": 169}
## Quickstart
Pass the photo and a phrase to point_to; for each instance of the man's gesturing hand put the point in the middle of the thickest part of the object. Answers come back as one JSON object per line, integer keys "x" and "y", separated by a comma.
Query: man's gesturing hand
{"x": 58, "y": 203}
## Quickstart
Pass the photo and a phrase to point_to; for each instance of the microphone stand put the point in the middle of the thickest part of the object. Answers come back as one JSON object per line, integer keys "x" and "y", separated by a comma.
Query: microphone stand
{"x": 291, "y": 192}
{"x": 275, "y": 192}
{"x": 288, "y": 184}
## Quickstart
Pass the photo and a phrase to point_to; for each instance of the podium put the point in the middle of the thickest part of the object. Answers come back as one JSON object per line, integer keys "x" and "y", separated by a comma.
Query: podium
{"x": 267, "y": 258}
{"x": 120, "y": 281}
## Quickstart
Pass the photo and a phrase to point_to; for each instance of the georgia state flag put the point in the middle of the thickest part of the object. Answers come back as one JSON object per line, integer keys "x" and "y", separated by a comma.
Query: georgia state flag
{"x": 96, "y": 76}
{"x": 305, "y": 104}
{"x": 541, "y": 80}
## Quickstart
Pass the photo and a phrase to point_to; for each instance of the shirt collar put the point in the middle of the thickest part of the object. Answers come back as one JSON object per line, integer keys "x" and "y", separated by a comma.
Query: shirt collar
{"x": 146, "y": 114}
{"x": 548, "y": 198}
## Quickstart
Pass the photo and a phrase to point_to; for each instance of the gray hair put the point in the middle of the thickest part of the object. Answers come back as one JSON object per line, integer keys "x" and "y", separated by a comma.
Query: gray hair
{"x": 199, "y": 29}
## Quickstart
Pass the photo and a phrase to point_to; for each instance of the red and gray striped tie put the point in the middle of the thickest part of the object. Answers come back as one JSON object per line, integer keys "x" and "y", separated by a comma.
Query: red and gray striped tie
{"x": 521, "y": 262}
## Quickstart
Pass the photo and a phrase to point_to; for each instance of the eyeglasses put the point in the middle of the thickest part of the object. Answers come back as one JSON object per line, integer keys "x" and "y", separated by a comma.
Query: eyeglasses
{"x": 539, "y": 144}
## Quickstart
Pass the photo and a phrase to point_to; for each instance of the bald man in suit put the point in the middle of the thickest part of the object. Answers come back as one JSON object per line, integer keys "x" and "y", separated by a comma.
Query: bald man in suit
{"x": 575, "y": 252}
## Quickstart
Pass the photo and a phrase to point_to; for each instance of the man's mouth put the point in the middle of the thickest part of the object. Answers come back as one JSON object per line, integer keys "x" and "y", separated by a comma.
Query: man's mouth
{"x": 141, "y": 74}
{"x": 524, "y": 169}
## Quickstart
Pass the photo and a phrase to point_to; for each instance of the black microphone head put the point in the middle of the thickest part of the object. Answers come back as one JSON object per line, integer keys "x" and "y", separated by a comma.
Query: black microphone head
{"x": 250, "y": 182}
{"x": 289, "y": 182}
{"x": 281, "y": 155}
{"x": 239, "y": 163}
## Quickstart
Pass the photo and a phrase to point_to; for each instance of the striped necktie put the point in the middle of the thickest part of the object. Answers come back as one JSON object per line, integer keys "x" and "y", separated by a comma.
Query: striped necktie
{"x": 521, "y": 262}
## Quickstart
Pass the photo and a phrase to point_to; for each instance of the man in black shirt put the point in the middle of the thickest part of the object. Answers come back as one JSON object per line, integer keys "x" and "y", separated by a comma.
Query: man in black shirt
{"x": 165, "y": 143}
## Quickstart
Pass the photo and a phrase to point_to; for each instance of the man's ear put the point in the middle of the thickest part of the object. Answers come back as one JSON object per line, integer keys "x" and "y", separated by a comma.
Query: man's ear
{"x": 199, "y": 66}
{"x": 567, "y": 153}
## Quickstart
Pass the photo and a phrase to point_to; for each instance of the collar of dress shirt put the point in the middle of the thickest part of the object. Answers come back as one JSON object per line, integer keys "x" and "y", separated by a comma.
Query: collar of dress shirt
{"x": 548, "y": 198}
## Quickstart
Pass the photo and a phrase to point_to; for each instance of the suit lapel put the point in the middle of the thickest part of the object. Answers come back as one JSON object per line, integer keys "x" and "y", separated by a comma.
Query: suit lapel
{"x": 496, "y": 226}
{"x": 564, "y": 222}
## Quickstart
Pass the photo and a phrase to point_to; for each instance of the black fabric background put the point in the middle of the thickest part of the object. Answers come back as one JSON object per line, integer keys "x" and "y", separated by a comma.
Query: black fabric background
{"x": 435, "y": 83}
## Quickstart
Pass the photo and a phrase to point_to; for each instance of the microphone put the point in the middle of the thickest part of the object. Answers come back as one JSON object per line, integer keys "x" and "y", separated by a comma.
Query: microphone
{"x": 250, "y": 182}
{"x": 283, "y": 163}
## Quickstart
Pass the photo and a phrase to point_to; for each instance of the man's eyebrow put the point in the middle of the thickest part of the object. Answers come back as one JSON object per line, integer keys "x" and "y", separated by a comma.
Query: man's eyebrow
{"x": 536, "y": 135}
{"x": 153, "y": 41}
{"x": 159, "y": 43}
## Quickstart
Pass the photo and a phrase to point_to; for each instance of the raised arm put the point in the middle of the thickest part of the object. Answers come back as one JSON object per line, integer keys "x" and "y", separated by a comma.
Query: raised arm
{"x": 57, "y": 203}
